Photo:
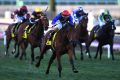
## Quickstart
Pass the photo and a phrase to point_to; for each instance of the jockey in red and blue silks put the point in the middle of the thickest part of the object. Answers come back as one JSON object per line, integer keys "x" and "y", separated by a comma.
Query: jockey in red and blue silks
{"x": 59, "y": 20}
{"x": 77, "y": 14}
{"x": 21, "y": 15}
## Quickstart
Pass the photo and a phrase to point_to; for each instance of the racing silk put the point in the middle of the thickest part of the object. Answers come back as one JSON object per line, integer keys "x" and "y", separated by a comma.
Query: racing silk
{"x": 78, "y": 14}
{"x": 20, "y": 16}
{"x": 62, "y": 19}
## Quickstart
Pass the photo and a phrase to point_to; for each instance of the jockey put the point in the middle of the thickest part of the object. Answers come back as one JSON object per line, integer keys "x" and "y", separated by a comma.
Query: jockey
{"x": 36, "y": 14}
{"x": 77, "y": 14}
{"x": 101, "y": 17}
{"x": 59, "y": 21}
{"x": 21, "y": 14}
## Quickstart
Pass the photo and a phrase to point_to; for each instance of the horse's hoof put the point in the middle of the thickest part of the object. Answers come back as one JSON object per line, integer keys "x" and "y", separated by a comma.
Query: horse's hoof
{"x": 75, "y": 71}
{"x": 47, "y": 72}
{"x": 95, "y": 57}
{"x": 81, "y": 58}
{"x": 37, "y": 65}
{"x": 37, "y": 57}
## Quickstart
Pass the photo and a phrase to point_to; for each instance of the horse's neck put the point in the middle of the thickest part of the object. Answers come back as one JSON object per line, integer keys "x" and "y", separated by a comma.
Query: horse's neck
{"x": 81, "y": 29}
{"x": 38, "y": 31}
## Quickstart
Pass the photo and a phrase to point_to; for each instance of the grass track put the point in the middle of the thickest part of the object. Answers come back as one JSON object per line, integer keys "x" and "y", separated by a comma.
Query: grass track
{"x": 14, "y": 69}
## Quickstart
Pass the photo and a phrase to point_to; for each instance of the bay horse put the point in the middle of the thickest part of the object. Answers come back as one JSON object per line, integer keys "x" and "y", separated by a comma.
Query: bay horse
{"x": 9, "y": 37}
{"x": 83, "y": 36}
{"x": 34, "y": 37}
{"x": 105, "y": 35}
{"x": 62, "y": 44}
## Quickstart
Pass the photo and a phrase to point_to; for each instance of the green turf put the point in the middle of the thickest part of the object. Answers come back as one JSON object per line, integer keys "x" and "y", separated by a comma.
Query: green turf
{"x": 14, "y": 69}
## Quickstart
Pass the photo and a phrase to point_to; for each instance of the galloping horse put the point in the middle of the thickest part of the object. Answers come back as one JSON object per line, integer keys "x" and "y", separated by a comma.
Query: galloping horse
{"x": 9, "y": 37}
{"x": 83, "y": 36}
{"x": 34, "y": 37}
{"x": 60, "y": 45}
{"x": 105, "y": 35}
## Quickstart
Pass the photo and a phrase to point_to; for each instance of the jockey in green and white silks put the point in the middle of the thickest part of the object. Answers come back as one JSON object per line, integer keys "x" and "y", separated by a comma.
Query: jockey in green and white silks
{"x": 77, "y": 14}
{"x": 101, "y": 17}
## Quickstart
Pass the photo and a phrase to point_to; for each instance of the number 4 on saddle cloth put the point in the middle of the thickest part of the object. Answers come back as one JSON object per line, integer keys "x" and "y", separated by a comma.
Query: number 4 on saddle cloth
{"x": 15, "y": 29}
{"x": 51, "y": 37}
{"x": 27, "y": 30}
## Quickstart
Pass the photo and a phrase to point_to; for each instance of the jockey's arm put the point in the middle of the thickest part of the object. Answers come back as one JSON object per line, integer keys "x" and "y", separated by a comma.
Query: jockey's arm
{"x": 55, "y": 19}
{"x": 71, "y": 20}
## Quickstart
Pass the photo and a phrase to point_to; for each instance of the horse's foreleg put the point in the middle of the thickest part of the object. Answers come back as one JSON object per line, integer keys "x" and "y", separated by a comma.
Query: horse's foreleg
{"x": 74, "y": 54}
{"x": 59, "y": 63}
{"x": 14, "y": 49}
{"x": 70, "y": 54}
{"x": 87, "y": 50}
{"x": 101, "y": 51}
{"x": 7, "y": 46}
{"x": 43, "y": 51}
{"x": 50, "y": 62}
{"x": 111, "y": 51}
{"x": 81, "y": 50}
{"x": 32, "y": 54}
{"x": 97, "y": 51}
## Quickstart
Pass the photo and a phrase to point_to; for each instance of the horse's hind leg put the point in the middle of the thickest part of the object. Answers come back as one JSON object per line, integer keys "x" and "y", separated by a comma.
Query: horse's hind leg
{"x": 23, "y": 47}
{"x": 50, "y": 62}
{"x": 70, "y": 54}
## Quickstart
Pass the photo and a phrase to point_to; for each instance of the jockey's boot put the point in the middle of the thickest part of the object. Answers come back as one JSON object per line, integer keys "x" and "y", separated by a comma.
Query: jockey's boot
{"x": 49, "y": 40}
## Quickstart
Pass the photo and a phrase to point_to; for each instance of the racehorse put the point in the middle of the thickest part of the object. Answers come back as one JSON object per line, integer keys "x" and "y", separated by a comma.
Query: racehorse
{"x": 34, "y": 37}
{"x": 104, "y": 36}
{"x": 83, "y": 36}
{"x": 9, "y": 37}
{"x": 61, "y": 44}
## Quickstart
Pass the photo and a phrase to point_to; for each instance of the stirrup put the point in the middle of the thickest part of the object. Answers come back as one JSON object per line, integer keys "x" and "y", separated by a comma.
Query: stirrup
{"x": 25, "y": 35}
{"x": 13, "y": 35}
{"x": 48, "y": 42}
{"x": 95, "y": 35}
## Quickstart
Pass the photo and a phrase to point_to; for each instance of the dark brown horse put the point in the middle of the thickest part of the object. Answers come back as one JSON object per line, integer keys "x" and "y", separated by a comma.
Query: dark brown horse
{"x": 61, "y": 45}
{"x": 105, "y": 36}
{"x": 34, "y": 37}
{"x": 83, "y": 36}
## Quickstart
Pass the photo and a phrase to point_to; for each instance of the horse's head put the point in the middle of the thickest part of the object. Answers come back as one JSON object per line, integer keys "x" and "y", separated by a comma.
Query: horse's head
{"x": 84, "y": 20}
{"x": 44, "y": 20}
{"x": 109, "y": 25}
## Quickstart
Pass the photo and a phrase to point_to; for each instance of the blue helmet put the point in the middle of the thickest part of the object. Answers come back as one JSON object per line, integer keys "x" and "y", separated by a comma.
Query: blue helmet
{"x": 80, "y": 9}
